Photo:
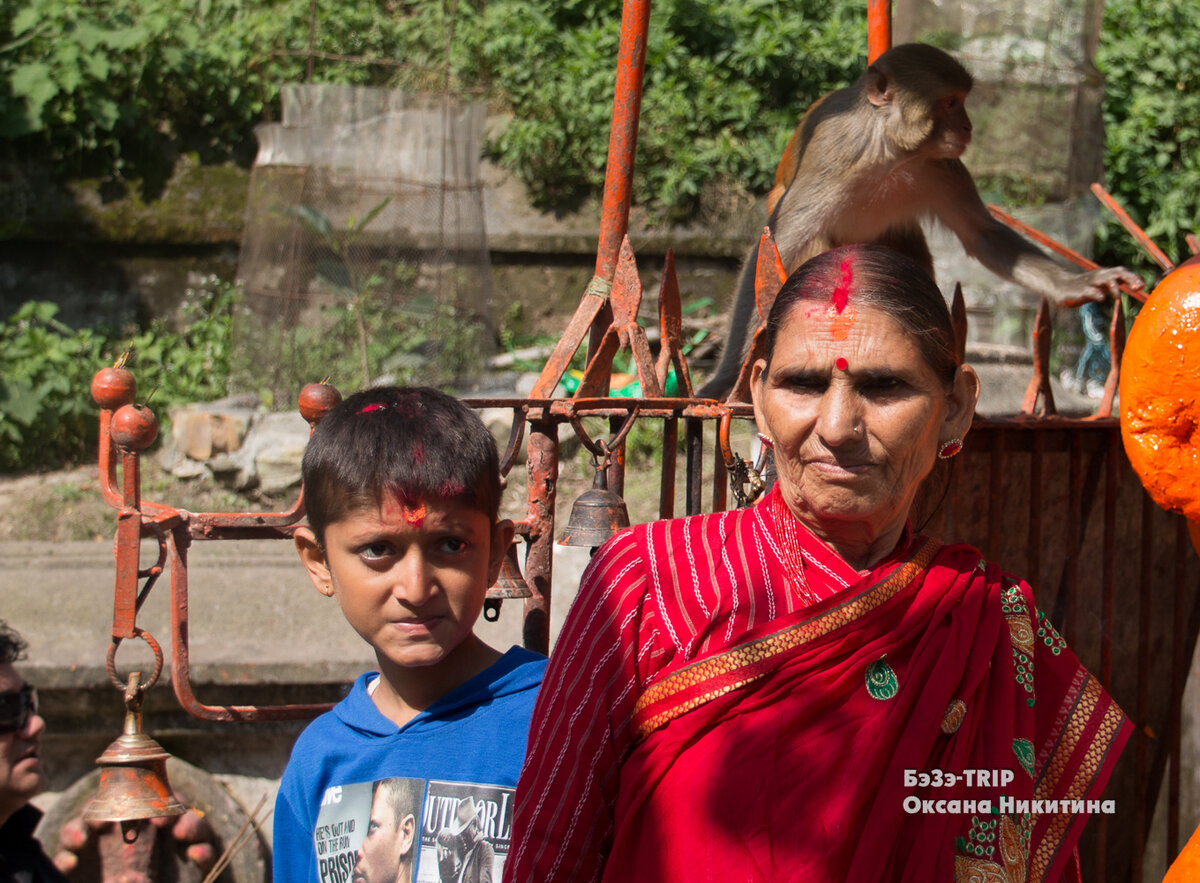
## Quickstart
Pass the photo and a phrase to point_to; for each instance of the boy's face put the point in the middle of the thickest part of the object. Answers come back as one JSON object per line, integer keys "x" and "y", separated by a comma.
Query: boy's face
{"x": 410, "y": 579}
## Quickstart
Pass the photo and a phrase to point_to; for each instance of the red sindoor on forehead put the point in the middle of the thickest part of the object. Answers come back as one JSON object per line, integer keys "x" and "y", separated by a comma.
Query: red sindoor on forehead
{"x": 841, "y": 294}
{"x": 841, "y": 315}
{"x": 412, "y": 509}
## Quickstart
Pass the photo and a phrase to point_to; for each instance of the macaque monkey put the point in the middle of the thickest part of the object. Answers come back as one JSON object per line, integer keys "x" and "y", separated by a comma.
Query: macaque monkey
{"x": 867, "y": 163}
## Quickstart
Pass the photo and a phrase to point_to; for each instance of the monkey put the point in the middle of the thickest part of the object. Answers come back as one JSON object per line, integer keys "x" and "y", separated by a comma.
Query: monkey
{"x": 867, "y": 163}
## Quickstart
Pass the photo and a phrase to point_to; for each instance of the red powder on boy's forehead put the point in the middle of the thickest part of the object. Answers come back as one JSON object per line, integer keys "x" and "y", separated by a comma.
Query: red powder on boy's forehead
{"x": 410, "y": 508}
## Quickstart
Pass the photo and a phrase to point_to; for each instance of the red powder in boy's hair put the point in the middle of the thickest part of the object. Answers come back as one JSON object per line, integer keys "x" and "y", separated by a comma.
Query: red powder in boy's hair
{"x": 418, "y": 453}
{"x": 841, "y": 315}
{"x": 450, "y": 489}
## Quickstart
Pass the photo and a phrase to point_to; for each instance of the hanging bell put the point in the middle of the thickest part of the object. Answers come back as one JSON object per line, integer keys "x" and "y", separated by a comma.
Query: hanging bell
{"x": 133, "y": 776}
{"x": 510, "y": 583}
{"x": 596, "y": 516}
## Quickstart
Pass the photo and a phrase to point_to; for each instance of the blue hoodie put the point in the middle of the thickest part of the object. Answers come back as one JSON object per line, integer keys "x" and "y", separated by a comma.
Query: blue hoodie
{"x": 468, "y": 744}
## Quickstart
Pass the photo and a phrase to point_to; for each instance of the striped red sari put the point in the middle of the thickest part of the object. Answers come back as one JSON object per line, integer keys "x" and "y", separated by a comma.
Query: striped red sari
{"x": 667, "y": 745}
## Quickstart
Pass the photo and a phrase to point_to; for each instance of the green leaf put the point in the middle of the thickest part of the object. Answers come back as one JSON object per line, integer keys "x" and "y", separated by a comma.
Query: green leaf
{"x": 18, "y": 402}
{"x": 315, "y": 220}
{"x": 26, "y": 19}
{"x": 371, "y": 215}
{"x": 34, "y": 83}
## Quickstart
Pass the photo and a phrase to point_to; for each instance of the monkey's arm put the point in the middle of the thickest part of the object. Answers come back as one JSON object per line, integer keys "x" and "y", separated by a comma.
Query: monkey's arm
{"x": 1008, "y": 254}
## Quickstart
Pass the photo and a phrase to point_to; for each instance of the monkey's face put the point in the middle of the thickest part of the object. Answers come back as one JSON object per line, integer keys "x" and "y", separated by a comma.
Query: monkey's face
{"x": 951, "y": 127}
{"x": 856, "y": 415}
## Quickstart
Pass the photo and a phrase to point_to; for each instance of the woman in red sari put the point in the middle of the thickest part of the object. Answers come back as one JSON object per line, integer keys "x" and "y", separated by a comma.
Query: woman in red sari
{"x": 807, "y": 689}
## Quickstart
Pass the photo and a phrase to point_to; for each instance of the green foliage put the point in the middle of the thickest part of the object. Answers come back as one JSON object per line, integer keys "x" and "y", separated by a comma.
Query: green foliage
{"x": 189, "y": 358}
{"x": 1152, "y": 121}
{"x": 118, "y": 88}
{"x": 47, "y": 416}
{"x": 46, "y": 413}
{"x": 725, "y": 85}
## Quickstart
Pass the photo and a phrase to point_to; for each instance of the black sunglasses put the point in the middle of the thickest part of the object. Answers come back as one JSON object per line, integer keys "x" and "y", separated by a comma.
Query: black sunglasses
{"x": 15, "y": 708}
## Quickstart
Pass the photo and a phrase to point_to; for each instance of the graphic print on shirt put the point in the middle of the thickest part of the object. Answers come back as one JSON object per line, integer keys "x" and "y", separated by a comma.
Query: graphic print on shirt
{"x": 367, "y": 831}
{"x": 403, "y": 830}
{"x": 465, "y": 833}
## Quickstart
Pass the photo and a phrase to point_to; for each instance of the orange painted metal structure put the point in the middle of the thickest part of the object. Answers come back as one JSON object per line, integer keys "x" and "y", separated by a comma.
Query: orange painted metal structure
{"x": 1051, "y": 497}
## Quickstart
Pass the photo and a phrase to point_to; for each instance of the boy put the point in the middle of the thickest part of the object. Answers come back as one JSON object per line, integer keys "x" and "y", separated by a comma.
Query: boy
{"x": 402, "y": 489}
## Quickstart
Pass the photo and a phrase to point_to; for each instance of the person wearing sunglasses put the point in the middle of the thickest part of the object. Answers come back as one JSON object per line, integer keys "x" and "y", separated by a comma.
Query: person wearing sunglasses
{"x": 22, "y": 859}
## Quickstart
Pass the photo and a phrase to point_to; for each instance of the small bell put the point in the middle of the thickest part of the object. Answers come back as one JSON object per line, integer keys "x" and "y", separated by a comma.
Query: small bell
{"x": 596, "y": 516}
{"x": 510, "y": 583}
{"x": 133, "y": 772}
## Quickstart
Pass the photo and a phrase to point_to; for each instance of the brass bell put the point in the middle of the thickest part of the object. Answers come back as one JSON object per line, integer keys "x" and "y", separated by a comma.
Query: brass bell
{"x": 510, "y": 583}
{"x": 596, "y": 516}
{"x": 133, "y": 775}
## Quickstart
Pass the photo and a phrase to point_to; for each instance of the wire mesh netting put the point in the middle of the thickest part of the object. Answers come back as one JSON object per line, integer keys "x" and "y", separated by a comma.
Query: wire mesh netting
{"x": 364, "y": 256}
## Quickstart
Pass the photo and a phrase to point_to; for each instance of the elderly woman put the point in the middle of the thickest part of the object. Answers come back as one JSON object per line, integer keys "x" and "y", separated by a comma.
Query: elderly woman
{"x": 810, "y": 690}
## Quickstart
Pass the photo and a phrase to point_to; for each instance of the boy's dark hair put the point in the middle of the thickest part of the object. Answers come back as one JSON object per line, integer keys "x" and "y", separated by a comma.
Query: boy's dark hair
{"x": 12, "y": 645}
{"x": 415, "y": 442}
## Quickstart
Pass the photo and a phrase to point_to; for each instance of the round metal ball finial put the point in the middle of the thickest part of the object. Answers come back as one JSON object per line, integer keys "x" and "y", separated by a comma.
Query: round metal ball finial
{"x": 113, "y": 387}
{"x": 134, "y": 427}
{"x": 316, "y": 400}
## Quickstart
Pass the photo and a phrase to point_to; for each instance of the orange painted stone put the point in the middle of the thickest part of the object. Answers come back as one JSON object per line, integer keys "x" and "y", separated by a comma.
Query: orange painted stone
{"x": 1186, "y": 868}
{"x": 1160, "y": 392}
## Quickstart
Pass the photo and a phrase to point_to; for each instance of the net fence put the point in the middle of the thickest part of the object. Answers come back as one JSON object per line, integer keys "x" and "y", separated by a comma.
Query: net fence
{"x": 364, "y": 254}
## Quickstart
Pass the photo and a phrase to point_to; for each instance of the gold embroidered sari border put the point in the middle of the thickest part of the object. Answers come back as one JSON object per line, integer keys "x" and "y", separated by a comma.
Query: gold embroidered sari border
{"x": 1093, "y": 761}
{"x": 707, "y": 679}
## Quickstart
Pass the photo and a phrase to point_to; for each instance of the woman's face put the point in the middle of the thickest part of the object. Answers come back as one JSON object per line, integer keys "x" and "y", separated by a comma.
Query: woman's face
{"x": 857, "y": 417}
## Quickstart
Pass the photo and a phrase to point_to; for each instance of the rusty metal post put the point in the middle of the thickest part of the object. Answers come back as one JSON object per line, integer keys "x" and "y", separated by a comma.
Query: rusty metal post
{"x": 128, "y": 542}
{"x": 622, "y": 148}
{"x": 879, "y": 28}
{"x": 694, "y": 433}
{"x": 542, "y": 467}
{"x": 622, "y": 135}
{"x": 616, "y": 468}
{"x": 666, "y": 493}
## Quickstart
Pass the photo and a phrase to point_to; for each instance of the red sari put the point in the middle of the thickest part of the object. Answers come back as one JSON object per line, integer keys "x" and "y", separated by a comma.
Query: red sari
{"x": 793, "y": 750}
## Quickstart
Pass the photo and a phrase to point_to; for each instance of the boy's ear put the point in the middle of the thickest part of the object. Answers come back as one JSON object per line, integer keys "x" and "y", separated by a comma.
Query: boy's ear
{"x": 502, "y": 537}
{"x": 312, "y": 556}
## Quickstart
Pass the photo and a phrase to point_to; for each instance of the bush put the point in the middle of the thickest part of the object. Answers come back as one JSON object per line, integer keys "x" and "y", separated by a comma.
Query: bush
{"x": 116, "y": 89}
{"x": 1152, "y": 121}
{"x": 47, "y": 416}
{"x": 724, "y": 85}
